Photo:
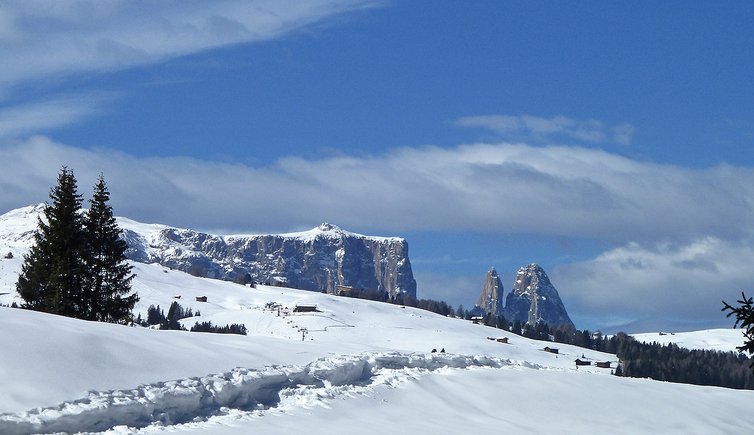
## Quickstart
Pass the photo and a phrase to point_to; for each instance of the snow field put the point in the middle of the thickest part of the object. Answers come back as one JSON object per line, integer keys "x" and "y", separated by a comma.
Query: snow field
{"x": 723, "y": 340}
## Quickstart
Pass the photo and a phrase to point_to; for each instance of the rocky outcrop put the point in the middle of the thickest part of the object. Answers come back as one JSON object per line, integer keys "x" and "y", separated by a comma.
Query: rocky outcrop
{"x": 533, "y": 298}
{"x": 491, "y": 298}
{"x": 319, "y": 259}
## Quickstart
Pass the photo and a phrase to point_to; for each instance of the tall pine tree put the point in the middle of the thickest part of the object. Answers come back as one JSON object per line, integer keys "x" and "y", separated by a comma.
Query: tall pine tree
{"x": 108, "y": 274}
{"x": 53, "y": 272}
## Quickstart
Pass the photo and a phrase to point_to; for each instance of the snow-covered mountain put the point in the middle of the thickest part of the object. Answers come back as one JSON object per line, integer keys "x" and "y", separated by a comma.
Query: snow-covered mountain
{"x": 340, "y": 369}
{"x": 319, "y": 259}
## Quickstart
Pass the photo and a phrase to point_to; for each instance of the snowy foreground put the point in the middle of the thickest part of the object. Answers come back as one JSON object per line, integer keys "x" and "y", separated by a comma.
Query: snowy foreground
{"x": 362, "y": 367}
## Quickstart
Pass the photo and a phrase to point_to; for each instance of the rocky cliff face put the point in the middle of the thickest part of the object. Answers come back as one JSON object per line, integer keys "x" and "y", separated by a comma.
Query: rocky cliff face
{"x": 319, "y": 259}
{"x": 534, "y": 298}
{"x": 491, "y": 298}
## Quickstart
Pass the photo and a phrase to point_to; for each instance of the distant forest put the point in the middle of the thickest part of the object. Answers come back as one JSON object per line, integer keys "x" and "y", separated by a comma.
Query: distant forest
{"x": 637, "y": 360}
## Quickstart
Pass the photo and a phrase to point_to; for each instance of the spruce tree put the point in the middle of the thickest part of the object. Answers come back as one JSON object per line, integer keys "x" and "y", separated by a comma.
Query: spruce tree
{"x": 744, "y": 315}
{"x": 52, "y": 275}
{"x": 108, "y": 274}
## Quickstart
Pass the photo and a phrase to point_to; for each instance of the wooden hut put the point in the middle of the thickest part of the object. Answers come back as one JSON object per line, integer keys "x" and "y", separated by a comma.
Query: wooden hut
{"x": 305, "y": 309}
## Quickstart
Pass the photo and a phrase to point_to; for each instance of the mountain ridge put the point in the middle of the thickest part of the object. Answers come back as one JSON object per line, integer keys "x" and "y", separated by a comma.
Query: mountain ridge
{"x": 320, "y": 259}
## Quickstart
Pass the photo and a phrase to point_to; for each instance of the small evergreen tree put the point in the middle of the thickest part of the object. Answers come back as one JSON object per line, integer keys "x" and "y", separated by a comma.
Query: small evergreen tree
{"x": 155, "y": 315}
{"x": 52, "y": 275}
{"x": 108, "y": 274}
{"x": 745, "y": 316}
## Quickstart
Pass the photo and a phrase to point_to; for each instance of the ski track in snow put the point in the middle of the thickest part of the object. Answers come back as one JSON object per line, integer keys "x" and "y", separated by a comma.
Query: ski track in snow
{"x": 236, "y": 393}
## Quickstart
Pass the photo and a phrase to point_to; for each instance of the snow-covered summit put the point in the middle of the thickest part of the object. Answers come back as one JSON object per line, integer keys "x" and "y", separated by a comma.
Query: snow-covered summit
{"x": 17, "y": 227}
{"x": 327, "y": 230}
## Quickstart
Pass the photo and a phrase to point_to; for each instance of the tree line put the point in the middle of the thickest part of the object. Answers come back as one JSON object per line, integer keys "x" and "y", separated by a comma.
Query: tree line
{"x": 641, "y": 360}
{"x": 156, "y": 316}
{"x": 668, "y": 362}
{"x": 77, "y": 266}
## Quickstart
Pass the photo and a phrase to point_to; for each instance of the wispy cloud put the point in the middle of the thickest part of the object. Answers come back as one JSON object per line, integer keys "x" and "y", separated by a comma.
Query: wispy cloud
{"x": 527, "y": 127}
{"x": 43, "y": 39}
{"x": 54, "y": 112}
{"x": 49, "y": 40}
{"x": 680, "y": 281}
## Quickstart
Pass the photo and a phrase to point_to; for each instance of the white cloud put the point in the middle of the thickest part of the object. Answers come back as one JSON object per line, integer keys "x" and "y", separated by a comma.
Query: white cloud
{"x": 538, "y": 128}
{"x": 504, "y": 188}
{"x": 43, "y": 39}
{"x": 669, "y": 281}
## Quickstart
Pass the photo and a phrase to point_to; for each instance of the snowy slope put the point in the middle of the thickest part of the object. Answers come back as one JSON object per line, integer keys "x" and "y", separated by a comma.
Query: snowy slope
{"x": 360, "y": 361}
{"x": 723, "y": 340}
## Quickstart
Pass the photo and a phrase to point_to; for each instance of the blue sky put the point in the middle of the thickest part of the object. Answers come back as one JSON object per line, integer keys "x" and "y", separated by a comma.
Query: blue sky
{"x": 610, "y": 142}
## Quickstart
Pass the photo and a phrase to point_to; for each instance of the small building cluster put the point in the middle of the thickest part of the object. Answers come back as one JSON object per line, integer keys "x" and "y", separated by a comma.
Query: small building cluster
{"x": 600, "y": 364}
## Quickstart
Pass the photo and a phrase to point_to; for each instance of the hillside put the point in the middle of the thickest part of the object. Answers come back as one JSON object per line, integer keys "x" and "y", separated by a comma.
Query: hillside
{"x": 360, "y": 360}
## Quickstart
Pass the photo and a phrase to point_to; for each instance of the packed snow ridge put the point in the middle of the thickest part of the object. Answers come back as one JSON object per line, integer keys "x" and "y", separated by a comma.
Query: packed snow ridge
{"x": 197, "y": 399}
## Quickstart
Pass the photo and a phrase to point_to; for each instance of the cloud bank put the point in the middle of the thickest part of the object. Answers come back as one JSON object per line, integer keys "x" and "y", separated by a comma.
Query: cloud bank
{"x": 672, "y": 281}
{"x": 497, "y": 188}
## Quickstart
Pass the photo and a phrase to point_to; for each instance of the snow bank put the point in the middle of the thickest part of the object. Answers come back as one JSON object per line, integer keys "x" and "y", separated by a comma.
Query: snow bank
{"x": 195, "y": 399}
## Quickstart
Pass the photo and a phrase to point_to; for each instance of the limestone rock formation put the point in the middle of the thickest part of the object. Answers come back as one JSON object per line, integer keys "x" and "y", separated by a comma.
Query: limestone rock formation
{"x": 491, "y": 298}
{"x": 533, "y": 298}
{"x": 319, "y": 259}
